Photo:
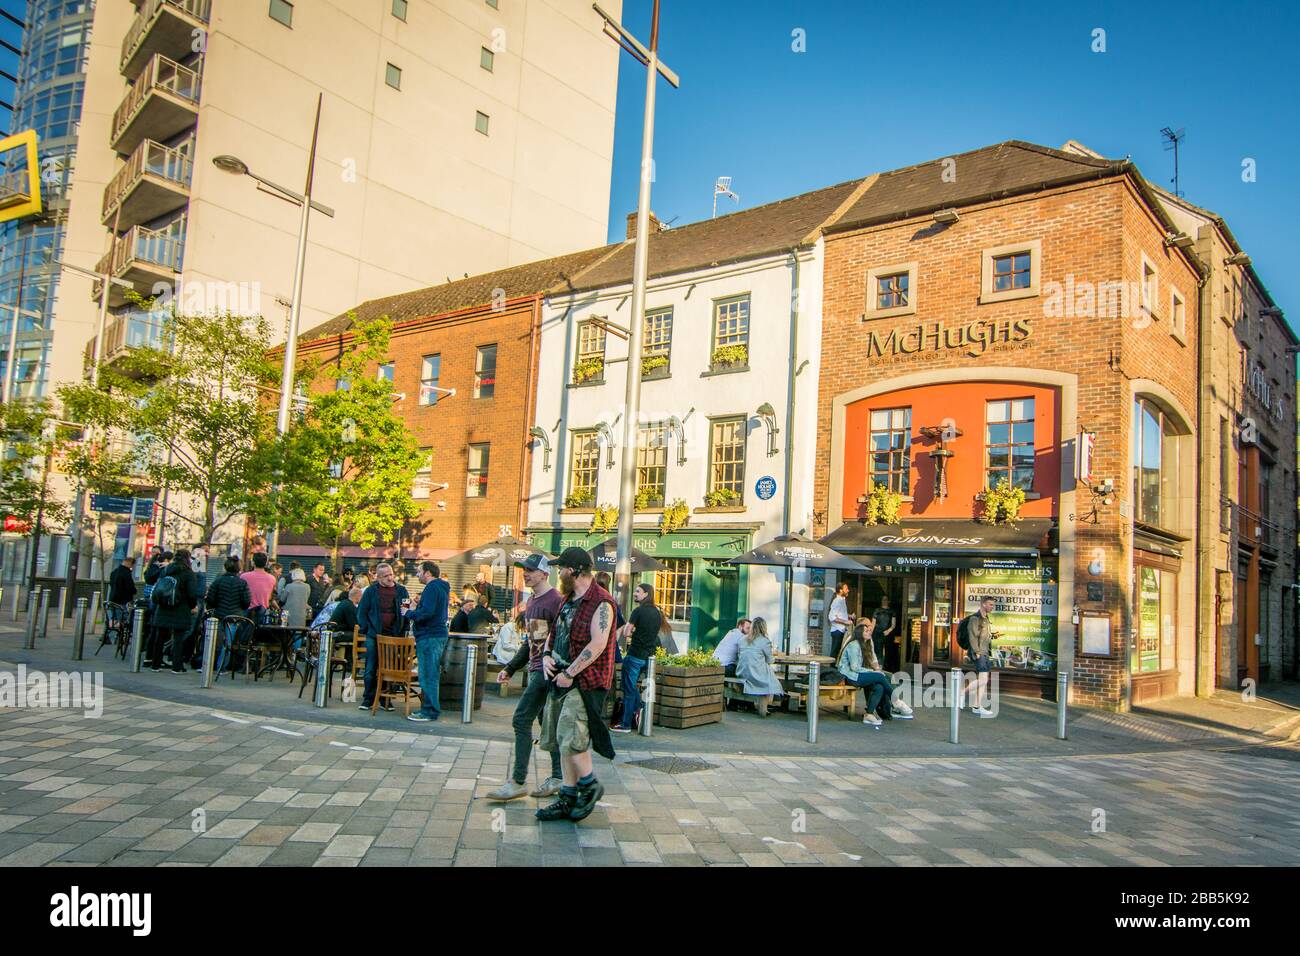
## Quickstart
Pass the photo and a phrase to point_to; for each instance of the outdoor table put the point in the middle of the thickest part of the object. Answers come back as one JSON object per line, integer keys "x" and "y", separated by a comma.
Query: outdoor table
{"x": 285, "y": 635}
{"x": 787, "y": 661}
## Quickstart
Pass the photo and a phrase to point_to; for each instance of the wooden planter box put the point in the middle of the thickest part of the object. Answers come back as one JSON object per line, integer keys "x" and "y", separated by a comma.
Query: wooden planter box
{"x": 688, "y": 696}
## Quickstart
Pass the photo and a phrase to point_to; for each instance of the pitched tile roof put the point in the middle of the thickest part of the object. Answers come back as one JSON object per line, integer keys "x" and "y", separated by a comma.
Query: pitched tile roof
{"x": 986, "y": 173}
{"x": 530, "y": 278}
{"x": 747, "y": 234}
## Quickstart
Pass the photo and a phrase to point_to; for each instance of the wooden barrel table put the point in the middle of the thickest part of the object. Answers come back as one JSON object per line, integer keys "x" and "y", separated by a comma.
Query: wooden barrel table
{"x": 451, "y": 689}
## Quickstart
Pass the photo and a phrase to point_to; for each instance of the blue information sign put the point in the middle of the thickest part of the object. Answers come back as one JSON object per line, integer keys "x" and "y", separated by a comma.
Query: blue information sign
{"x": 140, "y": 508}
{"x": 765, "y": 487}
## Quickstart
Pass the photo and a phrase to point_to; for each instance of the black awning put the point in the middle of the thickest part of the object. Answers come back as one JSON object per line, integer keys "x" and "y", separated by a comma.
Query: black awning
{"x": 929, "y": 543}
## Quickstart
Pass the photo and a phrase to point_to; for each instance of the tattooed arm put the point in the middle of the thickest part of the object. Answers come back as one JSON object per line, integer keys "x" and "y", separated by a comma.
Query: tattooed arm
{"x": 602, "y": 626}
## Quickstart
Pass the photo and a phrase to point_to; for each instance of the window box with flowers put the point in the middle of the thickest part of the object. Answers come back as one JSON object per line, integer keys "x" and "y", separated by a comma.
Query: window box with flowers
{"x": 648, "y": 499}
{"x": 674, "y": 517}
{"x": 590, "y": 371}
{"x": 729, "y": 358}
{"x": 880, "y": 505}
{"x": 1002, "y": 504}
{"x": 582, "y": 500}
{"x": 654, "y": 367}
{"x": 721, "y": 500}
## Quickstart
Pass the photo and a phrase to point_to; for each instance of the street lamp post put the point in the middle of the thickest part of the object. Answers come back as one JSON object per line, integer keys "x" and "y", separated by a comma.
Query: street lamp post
{"x": 649, "y": 58}
{"x": 238, "y": 167}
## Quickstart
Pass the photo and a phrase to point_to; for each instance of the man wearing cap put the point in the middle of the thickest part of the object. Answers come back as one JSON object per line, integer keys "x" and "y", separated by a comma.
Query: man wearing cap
{"x": 579, "y": 663}
{"x": 539, "y": 625}
{"x": 429, "y": 623}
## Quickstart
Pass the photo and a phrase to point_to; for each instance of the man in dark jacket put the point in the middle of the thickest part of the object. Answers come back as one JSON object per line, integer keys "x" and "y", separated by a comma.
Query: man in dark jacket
{"x": 380, "y": 612}
{"x": 121, "y": 583}
{"x": 319, "y": 583}
{"x": 344, "y": 617}
{"x": 228, "y": 596}
{"x": 172, "y": 621}
{"x": 429, "y": 621}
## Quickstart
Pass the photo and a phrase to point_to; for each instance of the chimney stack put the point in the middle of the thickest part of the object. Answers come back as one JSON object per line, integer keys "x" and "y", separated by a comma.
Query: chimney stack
{"x": 655, "y": 224}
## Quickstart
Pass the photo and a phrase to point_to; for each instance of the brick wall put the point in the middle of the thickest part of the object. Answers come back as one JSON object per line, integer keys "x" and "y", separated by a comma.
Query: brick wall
{"x": 1095, "y": 233}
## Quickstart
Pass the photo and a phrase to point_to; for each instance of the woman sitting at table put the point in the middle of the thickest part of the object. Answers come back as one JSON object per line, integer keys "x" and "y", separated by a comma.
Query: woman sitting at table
{"x": 509, "y": 637}
{"x": 861, "y": 668}
{"x": 754, "y": 666}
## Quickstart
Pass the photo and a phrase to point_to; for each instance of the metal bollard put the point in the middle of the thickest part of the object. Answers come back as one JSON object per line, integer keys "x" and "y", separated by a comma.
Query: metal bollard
{"x": 955, "y": 695}
{"x": 29, "y": 634}
{"x": 325, "y": 651}
{"x": 94, "y": 609}
{"x": 79, "y": 629}
{"x": 63, "y": 608}
{"x": 814, "y": 693}
{"x": 1062, "y": 703}
{"x": 33, "y": 598}
{"x": 210, "y": 629}
{"x": 648, "y": 699}
{"x": 45, "y": 614}
{"x": 137, "y": 639}
{"x": 471, "y": 664}
{"x": 17, "y": 592}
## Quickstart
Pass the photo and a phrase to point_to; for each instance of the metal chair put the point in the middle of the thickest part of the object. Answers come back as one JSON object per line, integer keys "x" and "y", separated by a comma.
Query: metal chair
{"x": 236, "y": 635}
{"x": 117, "y": 619}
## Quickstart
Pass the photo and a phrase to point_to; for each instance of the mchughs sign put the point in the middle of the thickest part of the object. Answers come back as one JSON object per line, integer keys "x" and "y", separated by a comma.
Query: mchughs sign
{"x": 974, "y": 337}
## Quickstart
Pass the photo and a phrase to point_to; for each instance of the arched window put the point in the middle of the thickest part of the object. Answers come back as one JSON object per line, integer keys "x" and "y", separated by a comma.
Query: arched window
{"x": 1155, "y": 466}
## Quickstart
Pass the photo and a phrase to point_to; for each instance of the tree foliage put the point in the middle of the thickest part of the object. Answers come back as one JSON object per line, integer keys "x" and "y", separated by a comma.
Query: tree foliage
{"x": 190, "y": 415}
{"x": 347, "y": 463}
{"x": 29, "y": 434}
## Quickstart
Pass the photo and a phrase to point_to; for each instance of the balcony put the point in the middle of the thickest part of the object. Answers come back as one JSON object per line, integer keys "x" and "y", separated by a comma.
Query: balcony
{"x": 162, "y": 27}
{"x": 136, "y": 459}
{"x": 127, "y": 332}
{"x": 15, "y": 188}
{"x": 143, "y": 257}
{"x": 154, "y": 182}
{"x": 162, "y": 102}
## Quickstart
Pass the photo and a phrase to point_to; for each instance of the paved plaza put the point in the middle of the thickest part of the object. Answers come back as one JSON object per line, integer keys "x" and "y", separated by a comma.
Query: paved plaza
{"x": 161, "y": 783}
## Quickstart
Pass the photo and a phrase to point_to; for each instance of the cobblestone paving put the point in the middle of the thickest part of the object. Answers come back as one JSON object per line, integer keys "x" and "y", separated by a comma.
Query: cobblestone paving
{"x": 127, "y": 789}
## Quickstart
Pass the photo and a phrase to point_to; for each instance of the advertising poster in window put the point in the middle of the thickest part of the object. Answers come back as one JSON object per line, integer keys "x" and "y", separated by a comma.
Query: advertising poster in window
{"x": 1149, "y": 621}
{"x": 1024, "y": 615}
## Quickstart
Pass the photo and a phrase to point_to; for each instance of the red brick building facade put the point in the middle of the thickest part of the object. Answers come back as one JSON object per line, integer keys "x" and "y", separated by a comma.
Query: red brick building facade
{"x": 1044, "y": 301}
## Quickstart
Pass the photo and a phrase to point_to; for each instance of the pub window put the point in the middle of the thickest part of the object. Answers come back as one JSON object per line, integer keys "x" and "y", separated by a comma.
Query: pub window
{"x": 584, "y": 469}
{"x": 430, "y": 369}
{"x": 730, "y": 332}
{"x": 1157, "y": 591}
{"x": 590, "y": 366}
{"x": 476, "y": 482}
{"x": 423, "y": 475}
{"x": 651, "y": 465}
{"x": 485, "y": 371}
{"x": 891, "y": 291}
{"x": 1150, "y": 286}
{"x": 673, "y": 589}
{"x": 386, "y": 372}
{"x": 1177, "y": 314}
{"x": 1155, "y": 466}
{"x": 727, "y": 461}
{"x": 1010, "y": 272}
{"x": 891, "y": 449}
{"x": 657, "y": 348}
{"x": 1009, "y": 441}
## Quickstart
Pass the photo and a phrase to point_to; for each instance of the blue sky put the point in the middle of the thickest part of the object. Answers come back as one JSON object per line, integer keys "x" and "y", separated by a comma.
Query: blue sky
{"x": 882, "y": 86}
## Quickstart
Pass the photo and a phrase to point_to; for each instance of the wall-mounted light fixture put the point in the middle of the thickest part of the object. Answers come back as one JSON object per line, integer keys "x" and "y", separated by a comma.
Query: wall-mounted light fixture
{"x": 673, "y": 427}
{"x": 946, "y": 217}
{"x": 605, "y": 435}
{"x": 768, "y": 414}
{"x": 540, "y": 434}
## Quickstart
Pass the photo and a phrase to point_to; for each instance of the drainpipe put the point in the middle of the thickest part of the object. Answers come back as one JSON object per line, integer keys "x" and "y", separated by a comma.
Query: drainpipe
{"x": 1207, "y": 511}
{"x": 788, "y": 586}
{"x": 525, "y": 453}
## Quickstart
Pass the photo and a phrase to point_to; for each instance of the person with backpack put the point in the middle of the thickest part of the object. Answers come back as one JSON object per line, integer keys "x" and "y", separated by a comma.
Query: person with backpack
{"x": 975, "y": 636}
{"x": 228, "y": 596}
{"x": 860, "y": 667}
{"x": 174, "y": 598}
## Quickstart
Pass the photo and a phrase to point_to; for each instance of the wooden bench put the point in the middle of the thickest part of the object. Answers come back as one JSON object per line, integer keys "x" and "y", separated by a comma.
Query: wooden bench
{"x": 835, "y": 696}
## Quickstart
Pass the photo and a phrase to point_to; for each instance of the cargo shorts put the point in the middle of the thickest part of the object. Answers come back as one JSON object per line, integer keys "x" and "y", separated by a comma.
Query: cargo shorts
{"x": 564, "y": 724}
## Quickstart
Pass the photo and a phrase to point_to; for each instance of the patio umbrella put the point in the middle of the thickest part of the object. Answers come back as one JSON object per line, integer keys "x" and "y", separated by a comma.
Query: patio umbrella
{"x": 605, "y": 556}
{"x": 501, "y": 553}
{"x": 796, "y": 551}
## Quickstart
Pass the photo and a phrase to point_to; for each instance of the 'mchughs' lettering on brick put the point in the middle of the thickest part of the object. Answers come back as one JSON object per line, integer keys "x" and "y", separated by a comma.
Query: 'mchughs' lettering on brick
{"x": 975, "y": 338}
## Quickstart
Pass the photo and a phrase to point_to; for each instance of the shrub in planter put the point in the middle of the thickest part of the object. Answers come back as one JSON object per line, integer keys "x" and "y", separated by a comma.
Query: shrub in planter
{"x": 579, "y": 499}
{"x": 605, "y": 519}
{"x": 1002, "y": 504}
{"x": 882, "y": 505}
{"x": 729, "y": 356}
{"x": 688, "y": 689}
{"x": 675, "y": 516}
{"x": 648, "y": 498}
{"x": 587, "y": 370}
{"x": 721, "y": 498}
{"x": 651, "y": 364}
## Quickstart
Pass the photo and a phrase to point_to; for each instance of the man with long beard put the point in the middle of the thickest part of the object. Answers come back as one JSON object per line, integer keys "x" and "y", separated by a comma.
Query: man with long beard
{"x": 580, "y": 664}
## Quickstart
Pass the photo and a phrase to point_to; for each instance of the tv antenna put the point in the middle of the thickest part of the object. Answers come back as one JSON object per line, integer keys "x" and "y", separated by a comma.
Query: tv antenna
{"x": 722, "y": 188}
{"x": 1172, "y": 139}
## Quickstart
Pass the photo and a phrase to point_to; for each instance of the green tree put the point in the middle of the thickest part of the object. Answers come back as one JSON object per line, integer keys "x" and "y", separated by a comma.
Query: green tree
{"x": 348, "y": 461}
{"x": 31, "y": 437}
{"x": 189, "y": 416}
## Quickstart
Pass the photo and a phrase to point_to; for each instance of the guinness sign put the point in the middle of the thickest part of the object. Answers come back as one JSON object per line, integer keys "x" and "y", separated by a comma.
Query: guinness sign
{"x": 975, "y": 338}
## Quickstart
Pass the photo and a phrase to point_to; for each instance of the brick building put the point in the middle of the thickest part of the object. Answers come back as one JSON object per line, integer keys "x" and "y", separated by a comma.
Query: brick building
{"x": 1029, "y": 314}
{"x": 463, "y": 361}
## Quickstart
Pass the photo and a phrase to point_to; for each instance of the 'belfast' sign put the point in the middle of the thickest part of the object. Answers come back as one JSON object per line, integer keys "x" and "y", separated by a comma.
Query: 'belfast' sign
{"x": 975, "y": 338}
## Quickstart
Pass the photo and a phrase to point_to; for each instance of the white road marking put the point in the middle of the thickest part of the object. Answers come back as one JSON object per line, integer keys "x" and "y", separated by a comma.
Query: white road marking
{"x": 774, "y": 840}
{"x": 855, "y": 859}
{"x": 366, "y": 749}
{"x": 280, "y": 730}
{"x": 233, "y": 720}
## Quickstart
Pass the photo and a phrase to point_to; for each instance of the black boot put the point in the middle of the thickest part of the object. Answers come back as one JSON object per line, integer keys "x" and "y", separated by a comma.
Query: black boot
{"x": 561, "y": 809}
{"x": 587, "y": 798}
